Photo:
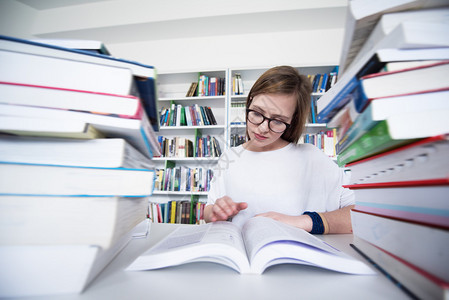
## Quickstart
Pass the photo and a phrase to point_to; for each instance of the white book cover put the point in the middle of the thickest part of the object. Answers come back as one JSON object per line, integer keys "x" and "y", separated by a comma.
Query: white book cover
{"x": 55, "y": 220}
{"x": 389, "y": 21}
{"x": 361, "y": 18}
{"x": 25, "y": 46}
{"x": 105, "y": 153}
{"x": 138, "y": 132}
{"x": 40, "y": 179}
{"x": 64, "y": 98}
{"x": 407, "y": 240}
{"x": 52, "y": 270}
{"x": 64, "y": 73}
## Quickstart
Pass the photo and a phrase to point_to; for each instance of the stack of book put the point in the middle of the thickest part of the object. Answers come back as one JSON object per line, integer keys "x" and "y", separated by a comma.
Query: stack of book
{"x": 76, "y": 147}
{"x": 392, "y": 116}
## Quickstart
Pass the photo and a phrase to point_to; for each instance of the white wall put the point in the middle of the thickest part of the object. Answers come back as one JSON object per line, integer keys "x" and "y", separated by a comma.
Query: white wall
{"x": 176, "y": 35}
{"x": 298, "y": 48}
{"x": 16, "y": 19}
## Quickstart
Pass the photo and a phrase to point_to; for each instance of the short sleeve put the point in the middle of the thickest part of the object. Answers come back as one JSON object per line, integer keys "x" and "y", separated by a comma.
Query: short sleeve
{"x": 346, "y": 195}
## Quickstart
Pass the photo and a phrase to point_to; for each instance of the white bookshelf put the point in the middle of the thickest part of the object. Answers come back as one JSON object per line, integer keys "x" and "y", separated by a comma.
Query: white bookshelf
{"x": 172, "y": 88}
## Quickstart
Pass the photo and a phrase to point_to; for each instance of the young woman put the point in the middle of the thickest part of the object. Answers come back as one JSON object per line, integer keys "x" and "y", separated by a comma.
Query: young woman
{"x": 272, "y": 175}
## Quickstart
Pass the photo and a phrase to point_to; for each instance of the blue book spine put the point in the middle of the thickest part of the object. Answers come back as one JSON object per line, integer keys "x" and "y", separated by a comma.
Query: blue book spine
{"x": 147, "y": 92}
{"x": 324, "y": 83}
{"x": 340, "y": 100}
{"x": 315, "y": 83}
{"x": 312, "y": 110}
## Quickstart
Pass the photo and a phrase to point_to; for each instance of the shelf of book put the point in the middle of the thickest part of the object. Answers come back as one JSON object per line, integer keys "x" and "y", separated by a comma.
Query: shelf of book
{"x": 191, "y": 97}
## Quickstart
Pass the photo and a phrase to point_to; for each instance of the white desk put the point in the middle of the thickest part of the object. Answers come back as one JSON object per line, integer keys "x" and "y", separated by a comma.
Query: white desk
{"x": 212, "y": 281}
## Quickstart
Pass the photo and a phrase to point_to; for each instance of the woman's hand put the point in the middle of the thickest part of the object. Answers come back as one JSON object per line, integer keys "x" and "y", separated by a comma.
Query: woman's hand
{"x": 302, "y": 221}
{"x": 223, "y": 209}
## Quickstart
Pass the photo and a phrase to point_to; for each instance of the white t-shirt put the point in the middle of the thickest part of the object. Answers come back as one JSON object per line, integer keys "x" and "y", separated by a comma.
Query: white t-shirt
{"x": 290, "y": 180}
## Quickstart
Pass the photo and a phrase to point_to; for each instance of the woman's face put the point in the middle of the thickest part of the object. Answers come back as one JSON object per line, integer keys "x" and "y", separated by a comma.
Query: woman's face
{"x": 279, "y": 108}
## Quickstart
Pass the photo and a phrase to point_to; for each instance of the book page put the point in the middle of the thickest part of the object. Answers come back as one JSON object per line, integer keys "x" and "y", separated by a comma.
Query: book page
{"x": 219, "y": 242}
{"x": 181, "y": 237}
{"x": 270, "y": 242}
{"x": 260, "y": 231}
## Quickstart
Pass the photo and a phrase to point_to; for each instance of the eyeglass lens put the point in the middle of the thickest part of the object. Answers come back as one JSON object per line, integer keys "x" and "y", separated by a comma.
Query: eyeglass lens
{"x": 257, "y": 119}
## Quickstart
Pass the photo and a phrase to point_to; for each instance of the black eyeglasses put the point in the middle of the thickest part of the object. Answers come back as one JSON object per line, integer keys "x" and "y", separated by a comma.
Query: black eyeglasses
{"x": 257, "y": 118}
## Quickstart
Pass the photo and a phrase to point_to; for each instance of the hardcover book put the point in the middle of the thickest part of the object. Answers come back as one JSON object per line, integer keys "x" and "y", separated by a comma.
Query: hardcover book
{"x": 57, "y": 220}
{"x": 420, "y": 283}
{"x": 136, "y": 130}
{"x": 105, "y": 153}
{"x": 63, "y": 73}
{"x": 143, "y": 77}
{"x": 346, "y": 90}
{"x": 362, "y": 17}
{"x": 407, "y": 240}
{"x": 86, "y": 45}
{"x": 41, "y": 127}
{"x": 63, "y": 98}
{"x": 395, "y": 131}
{"x": 381, "y": 108}
{"x": 406, "y": 203}
{"x": 407, "y": 81}
{"x": 423, "y": 160}
{"x": 34, "y": 270}
{"x": 41, "y": 179}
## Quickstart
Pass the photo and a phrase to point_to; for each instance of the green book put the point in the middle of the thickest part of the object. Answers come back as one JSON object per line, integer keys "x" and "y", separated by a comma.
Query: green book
{"x": 183, "y": 116}
{"x": 375, "y": 141}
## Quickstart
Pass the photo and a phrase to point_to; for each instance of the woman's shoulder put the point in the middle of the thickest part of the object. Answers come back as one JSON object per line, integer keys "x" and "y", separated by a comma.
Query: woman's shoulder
{"x": 312, "y": 153}
{"x": 306, "y": 148}
{"x": 232, "y": 152}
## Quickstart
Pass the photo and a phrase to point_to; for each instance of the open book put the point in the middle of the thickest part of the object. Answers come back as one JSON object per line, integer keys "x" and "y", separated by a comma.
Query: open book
{"x": 261, "y": 243}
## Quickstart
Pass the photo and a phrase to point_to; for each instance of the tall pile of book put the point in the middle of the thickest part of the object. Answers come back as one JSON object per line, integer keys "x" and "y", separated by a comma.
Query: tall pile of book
{"x": 76, "y": 143}
{"x": 391, "y": 110}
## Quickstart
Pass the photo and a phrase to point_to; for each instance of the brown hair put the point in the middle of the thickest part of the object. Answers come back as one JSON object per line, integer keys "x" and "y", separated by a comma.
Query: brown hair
{"x": 286, "y": 80}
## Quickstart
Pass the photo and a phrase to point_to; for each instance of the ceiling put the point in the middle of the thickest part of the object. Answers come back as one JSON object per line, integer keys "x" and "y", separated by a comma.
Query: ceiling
{"x": 49, "y": 4}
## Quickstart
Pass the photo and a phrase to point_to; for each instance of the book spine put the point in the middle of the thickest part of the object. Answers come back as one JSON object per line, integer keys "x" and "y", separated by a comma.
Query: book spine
{"x": 361, "y": 125}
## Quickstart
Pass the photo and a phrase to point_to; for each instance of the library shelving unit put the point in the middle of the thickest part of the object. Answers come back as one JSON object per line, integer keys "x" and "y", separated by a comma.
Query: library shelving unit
{"x": 172, "y": 91}
{"x": 236, "y": 122}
